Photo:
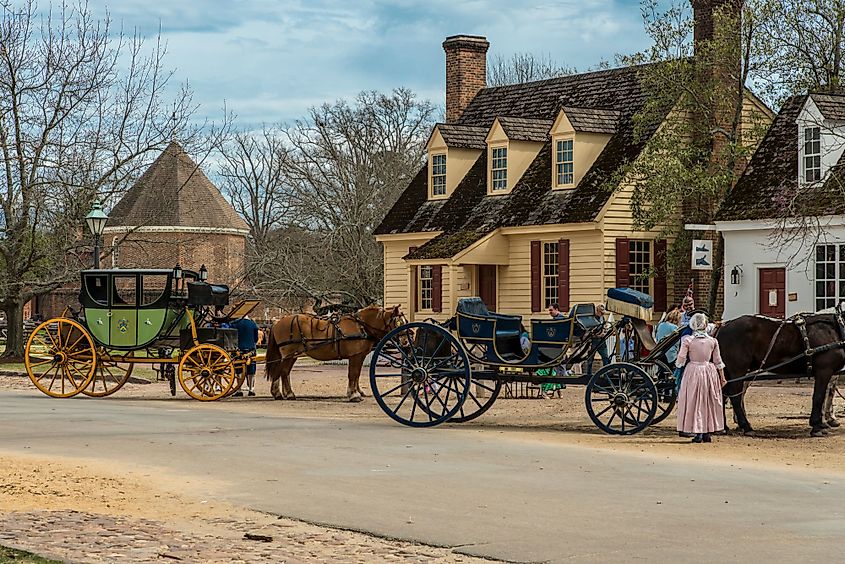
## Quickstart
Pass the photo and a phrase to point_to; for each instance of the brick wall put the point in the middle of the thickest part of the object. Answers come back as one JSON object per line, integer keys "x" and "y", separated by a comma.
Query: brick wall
{"x": 466, "y": 72}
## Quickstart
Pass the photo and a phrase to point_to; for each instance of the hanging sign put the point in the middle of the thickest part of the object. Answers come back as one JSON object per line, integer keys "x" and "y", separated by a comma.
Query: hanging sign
{"x": 702, "y": 254}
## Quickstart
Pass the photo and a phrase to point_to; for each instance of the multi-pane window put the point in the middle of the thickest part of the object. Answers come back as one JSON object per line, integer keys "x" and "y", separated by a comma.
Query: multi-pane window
{"x": 426, "y": 286}
{"x": 550, "y": 273}
{"x": 830, "y": 275}
{"x": 639, "y": 266}
{"x": 438, "y": 175}
{"x": 499, "y": 168}
{"x": 812, "y": 154}
{"x": 564, "y": 164}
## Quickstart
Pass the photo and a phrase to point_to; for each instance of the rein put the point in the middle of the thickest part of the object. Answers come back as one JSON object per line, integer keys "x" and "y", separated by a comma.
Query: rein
{"x": 368, "y": 332}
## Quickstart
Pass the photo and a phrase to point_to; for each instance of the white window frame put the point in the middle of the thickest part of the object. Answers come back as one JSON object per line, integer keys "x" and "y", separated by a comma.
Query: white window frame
{"x": 425, "y": 285}
{"x": 811, "y": 154}
{"x": 437, "y": 178}
{"x": 829, "y": 279}
{"x": 640, "y": 264}
{"x": 500, "y": 184}
{"x": 551, "y": 280}
{"x": 564, "y": 162}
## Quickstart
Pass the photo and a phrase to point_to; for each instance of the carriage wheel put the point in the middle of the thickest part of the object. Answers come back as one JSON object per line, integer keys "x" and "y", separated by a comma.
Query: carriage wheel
{"x": 206, "y": 372}
{"x": 621, "y": 399}
{"x": 109, "y": 377}
{"x": 240, "y": 378}
{"x": 60, "y": 357}
{"x": 476, "y": 404}
{"x": 664, "y": 379}
{"x": 420, "y": 375}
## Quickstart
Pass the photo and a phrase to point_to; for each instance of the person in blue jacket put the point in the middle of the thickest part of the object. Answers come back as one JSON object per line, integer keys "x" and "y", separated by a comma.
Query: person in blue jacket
{"x": 247, "y": 344}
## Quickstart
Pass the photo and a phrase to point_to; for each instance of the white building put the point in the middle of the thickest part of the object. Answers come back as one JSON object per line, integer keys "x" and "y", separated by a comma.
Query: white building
{"x": 776, "y": 266}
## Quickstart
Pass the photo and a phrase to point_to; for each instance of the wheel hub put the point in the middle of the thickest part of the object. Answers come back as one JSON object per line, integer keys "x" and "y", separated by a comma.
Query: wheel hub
{"x": 620, "y": 400}
{"x": 419, "y": 374}
{"x": 59, "y": 358}
{"x": 205, "y": 372}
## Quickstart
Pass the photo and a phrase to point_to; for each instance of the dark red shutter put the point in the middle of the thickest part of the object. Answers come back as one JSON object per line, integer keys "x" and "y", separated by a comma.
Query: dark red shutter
{"x": 437, "y": 289}
{"x": 536, "y": 286}
{"x": 623, "y": 267}
{"x": 415, "y": 295}
{"x": 563, "y": 274}
{"x": 660, "y": 275}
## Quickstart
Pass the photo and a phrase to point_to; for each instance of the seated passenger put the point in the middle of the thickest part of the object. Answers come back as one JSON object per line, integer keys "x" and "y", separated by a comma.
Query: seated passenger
{"x": 665, "y": 329}
{"x": 554, "y": 311}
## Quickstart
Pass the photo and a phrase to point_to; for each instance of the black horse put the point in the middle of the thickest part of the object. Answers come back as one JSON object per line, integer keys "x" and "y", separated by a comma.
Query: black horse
{"x": 752, "y": 342}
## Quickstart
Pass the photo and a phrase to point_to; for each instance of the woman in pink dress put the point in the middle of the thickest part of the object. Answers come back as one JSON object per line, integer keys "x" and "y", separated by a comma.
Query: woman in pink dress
{"x": 700, "y": 399}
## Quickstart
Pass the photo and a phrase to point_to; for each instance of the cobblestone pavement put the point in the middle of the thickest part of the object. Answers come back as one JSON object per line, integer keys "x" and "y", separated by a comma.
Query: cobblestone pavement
{"x": 86, "y": 537}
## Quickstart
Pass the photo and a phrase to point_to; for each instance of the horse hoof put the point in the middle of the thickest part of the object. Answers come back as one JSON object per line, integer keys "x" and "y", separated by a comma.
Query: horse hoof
{"x": 748, "y": 432}
{"x": 833, "y": 423}
{"x": 356, "y": 399}
{"x": 818, "y": 432}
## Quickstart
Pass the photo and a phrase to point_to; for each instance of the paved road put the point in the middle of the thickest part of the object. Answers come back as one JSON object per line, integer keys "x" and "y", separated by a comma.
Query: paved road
{"x": 490, "y": 493}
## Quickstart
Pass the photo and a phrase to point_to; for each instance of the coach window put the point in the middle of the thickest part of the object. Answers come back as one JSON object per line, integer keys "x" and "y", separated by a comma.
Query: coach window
{"x": 96, "y": 288}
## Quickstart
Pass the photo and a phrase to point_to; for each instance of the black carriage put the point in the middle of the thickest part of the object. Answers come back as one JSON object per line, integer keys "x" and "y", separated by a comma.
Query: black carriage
{"x": 426, "y": 373}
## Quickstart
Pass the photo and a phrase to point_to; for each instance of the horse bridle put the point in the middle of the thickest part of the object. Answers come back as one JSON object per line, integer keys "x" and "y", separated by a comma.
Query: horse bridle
{"x": 396, "y": 319}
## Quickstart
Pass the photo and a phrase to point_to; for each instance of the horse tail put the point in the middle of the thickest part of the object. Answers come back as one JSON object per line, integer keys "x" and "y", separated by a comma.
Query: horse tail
{"x": 274, "y": 355}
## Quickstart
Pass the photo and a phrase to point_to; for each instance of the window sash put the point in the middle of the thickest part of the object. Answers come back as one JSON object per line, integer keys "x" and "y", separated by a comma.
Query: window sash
{"x": 499, "y": 168}
{"x": 426, "y": 287}
{"x": 812, "y": 154}
{"x": 564, "y": 162}
{"x": 830, "y": 275}
{"x": 438, "y": 175}
{"x": 551, "y": 258}
{"x": 639, "y": 266}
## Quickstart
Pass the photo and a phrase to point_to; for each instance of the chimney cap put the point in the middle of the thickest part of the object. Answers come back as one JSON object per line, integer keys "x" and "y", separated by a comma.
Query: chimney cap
{"x": 478, "y": 42}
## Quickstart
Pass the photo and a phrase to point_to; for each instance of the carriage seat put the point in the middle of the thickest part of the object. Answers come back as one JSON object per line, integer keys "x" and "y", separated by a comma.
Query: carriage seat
{"x": 585, "y": 318}
{"x": 507, "y": 326}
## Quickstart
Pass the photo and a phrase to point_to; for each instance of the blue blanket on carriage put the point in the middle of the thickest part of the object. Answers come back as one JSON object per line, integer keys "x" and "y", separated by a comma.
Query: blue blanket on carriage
{"x": 630, "y": 296}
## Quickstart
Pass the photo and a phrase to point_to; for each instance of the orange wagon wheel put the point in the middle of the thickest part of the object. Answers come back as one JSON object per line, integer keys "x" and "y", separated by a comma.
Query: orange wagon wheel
{"x": 109, "y": 377}
{"x": 206, "y": 372}
{"x": 60, "y": 357}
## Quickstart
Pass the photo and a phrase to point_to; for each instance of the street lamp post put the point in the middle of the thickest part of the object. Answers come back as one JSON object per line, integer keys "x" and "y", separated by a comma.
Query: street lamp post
{"x": 96, "y": 220}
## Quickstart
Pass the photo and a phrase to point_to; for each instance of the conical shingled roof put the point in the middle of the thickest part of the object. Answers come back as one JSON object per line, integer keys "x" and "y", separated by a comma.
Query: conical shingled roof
{"x": 174, "y": 192}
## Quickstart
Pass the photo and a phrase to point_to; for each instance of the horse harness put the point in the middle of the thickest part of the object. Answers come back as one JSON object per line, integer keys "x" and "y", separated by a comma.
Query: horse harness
{"x": 337, "y": 335}
{"x": 809, "y": 351}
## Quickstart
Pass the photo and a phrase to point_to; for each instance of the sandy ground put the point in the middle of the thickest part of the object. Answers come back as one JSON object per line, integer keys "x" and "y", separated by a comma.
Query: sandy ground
{"x": 66, "y": 495}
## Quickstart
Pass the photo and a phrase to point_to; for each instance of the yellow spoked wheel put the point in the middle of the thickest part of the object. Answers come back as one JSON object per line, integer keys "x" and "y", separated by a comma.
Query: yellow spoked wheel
{"x": 109, "y": 376}
{"x": 206, "y": 372}
{"x": 60, "y": 357}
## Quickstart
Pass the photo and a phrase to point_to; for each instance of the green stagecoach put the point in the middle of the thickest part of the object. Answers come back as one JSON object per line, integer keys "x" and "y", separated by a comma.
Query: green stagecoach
{"x": 158, "y": 317}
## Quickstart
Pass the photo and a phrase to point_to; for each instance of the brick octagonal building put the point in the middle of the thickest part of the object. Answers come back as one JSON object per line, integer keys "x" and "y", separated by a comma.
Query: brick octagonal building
{"x": 175, "y": 214}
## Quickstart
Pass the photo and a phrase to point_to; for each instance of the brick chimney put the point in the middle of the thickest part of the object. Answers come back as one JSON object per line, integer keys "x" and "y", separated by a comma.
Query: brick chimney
{"x": 466, "y": 71}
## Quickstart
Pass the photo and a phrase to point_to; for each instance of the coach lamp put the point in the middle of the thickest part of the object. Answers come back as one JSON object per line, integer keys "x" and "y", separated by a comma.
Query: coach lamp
{"x": 736, "y": 275}
{"x": 96, "y": 221}
{"x": 203, "y": 274}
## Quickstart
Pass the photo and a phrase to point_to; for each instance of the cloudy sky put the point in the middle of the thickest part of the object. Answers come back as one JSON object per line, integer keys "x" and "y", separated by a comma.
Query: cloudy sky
{"x": 269, "y": 60}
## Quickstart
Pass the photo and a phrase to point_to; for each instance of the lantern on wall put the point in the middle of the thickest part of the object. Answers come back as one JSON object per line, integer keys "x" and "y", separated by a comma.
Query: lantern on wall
{"x": 203, "y": 274}
{"x": 736, "y": 275}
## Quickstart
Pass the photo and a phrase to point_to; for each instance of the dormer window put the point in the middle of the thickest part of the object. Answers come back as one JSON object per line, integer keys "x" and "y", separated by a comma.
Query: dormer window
{"x": 438, "y": 175}
{"x": 499, "y": 168}
{"x": 812, "y": 161}
{"x": 564, "y": 162}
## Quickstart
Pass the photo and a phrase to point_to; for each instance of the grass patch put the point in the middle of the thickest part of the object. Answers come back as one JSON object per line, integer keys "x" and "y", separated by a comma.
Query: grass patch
{"x": 9, "y": 555}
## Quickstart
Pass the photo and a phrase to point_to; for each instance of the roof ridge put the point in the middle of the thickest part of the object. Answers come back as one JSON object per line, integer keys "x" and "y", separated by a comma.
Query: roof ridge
{"x": 571, "y": 76}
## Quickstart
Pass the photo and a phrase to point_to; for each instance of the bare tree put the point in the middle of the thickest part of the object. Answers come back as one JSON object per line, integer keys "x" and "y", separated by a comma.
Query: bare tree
{"x": 523, "y": 67}
{"x": 348, "y": 163}
{"x": 252, "y": 174}
{"x": 82, "y": 108}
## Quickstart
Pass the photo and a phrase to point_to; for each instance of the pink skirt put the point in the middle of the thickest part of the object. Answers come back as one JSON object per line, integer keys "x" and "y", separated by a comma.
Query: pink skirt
{"x": 700, "y": 399}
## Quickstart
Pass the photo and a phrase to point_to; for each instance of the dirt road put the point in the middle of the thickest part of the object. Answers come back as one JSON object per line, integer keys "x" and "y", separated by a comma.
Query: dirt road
{"x": 93, "y": 502}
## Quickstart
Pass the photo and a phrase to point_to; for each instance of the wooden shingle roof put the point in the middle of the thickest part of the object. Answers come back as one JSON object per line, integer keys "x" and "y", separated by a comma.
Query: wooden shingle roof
{"x": 470, "y": 210}
{"x": 832, "y": 106}
{"x": 769, "y": 187}
{"x": 174, "y": 192}
{"x": 593, "y": 120}
{"x": 526, "y": 129}
{"x": 463, "y": 136}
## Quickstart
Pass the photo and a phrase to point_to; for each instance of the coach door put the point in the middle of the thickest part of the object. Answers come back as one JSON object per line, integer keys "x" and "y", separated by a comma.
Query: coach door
{"x": 772, "y": 290}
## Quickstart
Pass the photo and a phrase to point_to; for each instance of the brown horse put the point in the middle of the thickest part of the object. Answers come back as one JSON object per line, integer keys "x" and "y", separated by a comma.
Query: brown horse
{"x": 350, "y": 336}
